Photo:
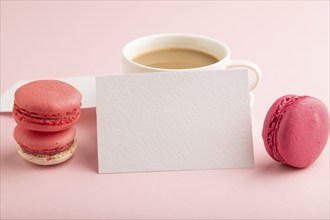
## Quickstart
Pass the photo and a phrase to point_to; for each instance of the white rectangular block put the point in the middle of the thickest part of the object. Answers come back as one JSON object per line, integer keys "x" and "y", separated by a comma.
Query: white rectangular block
{"x": 173, "y": 121}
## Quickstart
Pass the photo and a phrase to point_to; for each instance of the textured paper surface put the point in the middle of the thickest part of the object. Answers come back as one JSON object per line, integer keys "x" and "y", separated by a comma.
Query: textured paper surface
{"x": 85, "y": 84}
{"x": 173, "y": 121}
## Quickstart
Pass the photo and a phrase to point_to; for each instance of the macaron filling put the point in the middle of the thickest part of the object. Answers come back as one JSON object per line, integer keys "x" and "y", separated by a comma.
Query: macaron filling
{"x": 53, "y": 120}
{"x": 285, "y": 104}
{"x": 47, "y": 159}
{"x": 46, "y": 151}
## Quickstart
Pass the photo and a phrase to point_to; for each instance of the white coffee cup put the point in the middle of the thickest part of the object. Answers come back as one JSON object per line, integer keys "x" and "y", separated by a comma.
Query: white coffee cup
{"x": 189, "y": 41}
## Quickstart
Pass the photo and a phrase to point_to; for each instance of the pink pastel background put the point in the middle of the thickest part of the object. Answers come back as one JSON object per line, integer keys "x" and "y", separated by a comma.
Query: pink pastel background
{"x": 288, "y": 40}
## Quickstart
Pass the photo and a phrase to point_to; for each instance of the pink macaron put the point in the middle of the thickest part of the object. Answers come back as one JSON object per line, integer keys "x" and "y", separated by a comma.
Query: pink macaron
{"x": 45, "y": 148}
{"x": 296, "y": 130}
{"x": 46, "y": 105}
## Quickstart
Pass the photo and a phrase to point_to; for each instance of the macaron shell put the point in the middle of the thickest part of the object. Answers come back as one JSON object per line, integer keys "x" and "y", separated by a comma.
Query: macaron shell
{"x": 303, "y": 132}
{"x": 273, "y": 114}
{"x": 44, "y": 124}
{"x": 46, "y": 105}
{"x": 44, "y": 142}
{"x": 48, "y": 97}
{"x": 46, "y": 160}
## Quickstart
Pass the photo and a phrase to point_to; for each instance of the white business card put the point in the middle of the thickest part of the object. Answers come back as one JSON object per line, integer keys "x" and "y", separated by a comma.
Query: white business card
{"x": 173, "y": 121}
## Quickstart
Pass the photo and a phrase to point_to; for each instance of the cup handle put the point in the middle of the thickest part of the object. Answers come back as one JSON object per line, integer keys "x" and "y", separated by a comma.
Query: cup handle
{"x": 249, "y": 65}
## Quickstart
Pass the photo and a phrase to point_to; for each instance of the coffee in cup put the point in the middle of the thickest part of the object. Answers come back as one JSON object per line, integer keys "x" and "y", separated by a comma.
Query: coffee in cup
{"x": 175, "y": 58}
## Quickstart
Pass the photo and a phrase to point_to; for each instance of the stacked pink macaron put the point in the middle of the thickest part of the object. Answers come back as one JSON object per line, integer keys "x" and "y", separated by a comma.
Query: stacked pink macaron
{"x": 45, "y": 112}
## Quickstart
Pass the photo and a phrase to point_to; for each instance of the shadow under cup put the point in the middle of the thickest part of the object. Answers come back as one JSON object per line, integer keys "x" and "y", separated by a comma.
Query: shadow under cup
{"x": 145, "y": 54}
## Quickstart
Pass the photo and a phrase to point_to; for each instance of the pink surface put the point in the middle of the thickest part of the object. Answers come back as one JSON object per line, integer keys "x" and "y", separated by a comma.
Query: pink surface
{"x": 290, "y": 42}
{"x": 296, "y": 130}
